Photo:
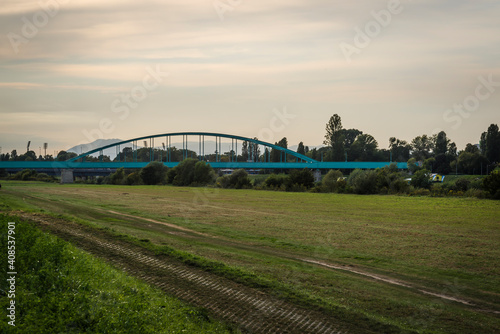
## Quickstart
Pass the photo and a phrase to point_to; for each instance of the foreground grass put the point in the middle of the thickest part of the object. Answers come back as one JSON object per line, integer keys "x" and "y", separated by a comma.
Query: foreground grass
{"x": 60, "y": 289}
{"x": 445, "y": 245}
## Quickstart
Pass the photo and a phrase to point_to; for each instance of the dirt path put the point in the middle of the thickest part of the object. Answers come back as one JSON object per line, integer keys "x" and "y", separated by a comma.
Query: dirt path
{"x": 251, "y": 310}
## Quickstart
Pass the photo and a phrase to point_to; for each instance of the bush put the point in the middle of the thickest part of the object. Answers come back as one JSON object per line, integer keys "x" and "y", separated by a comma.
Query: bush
{"x": 275, "y": 181}
{"x": 462, "y": 184}
{"x": 183, "y": 173}
{"x": 300, "y": 179}
{"x": 332, "y": 181}
{"x": 117, "y": 177}
{"x": 491, "y": 184}
{"x": 154, "y": 173}
{"x": 421, "y": 179}
{"x": 45, "y": 177}
{"x": 237, "y": 180}
{"x": 191, "y": 172}
{"x": 203, "y": 173}
{"x": 133, "y": 178}
{"x": 390, "y": 180}
{"x": 25, "y": 175}
{"x": 363, "y": 182}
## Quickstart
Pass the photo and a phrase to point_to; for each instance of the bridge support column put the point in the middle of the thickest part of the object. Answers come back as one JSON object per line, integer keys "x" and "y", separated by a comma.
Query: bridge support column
{"x": 67, "y": 176}
{"x": 317, "y": 175}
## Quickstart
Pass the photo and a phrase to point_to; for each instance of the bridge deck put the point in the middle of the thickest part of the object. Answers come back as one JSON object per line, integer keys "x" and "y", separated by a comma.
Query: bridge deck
{"x": 231, "y": 165}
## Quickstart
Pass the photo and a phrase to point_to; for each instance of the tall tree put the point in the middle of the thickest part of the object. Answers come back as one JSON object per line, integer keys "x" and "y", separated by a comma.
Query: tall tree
{"x": 493, "y": 143}
{"x": 364, "y": 148}
{"x": 441, "y": 143}
{"x": 13, "y": 155}
{"x": 244, "y": 151}
{"x": 422, "y": 147}
{"x": 400, "y": 149}
{"x": 277, "y": 155}
{"x": 469, "y": 148}
{"x": 350, "y": 136}
{"x": 334, "y": 138}
{"x": 301, "y": 149}
{"x": 254, "y": 151}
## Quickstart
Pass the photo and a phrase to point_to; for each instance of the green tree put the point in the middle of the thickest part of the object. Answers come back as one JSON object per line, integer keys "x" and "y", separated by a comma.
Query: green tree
{"x": 332, "y": 181}
{"x": 400, "y": 149}
{"x": 364, "y": 148}
{"x": 334, "y": 138}
{"x": 491, "y": 184}
{"x": 154, "y": 173}
{"x": 469, "y": 148}
{"x": 441, "y": 143}
{"x": 422, "y": 147}
{"x": 277, "y": 155}
{"x": 350, "y": 136}
{"x": 421, "y": 179}
{"x": 244, "y": 151}
{"x": 238, "y": 180}
{"x": 301, "y": 149}
{"x": 492, "y": 145}
{"x": 412, "y": 165}
{"x": 471, "y": 163}
{"x": 254, "y": 151}
{"x": 363, "y": 182}
{"x": 117, "y": 177}
{"x": 63, "y": 155}
{"x": 203, "y": 173}
{"x": 302, "y": 178}
{"x": 13, "y": 155}
{"x": 275, "y": 181}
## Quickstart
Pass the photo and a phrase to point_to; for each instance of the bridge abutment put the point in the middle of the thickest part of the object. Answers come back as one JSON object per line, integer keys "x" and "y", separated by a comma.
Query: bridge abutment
{"x": 67, "y": 176}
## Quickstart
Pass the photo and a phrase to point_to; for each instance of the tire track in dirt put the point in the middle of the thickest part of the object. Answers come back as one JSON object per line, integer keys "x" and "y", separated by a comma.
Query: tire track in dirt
{"x": 251, "y": 310}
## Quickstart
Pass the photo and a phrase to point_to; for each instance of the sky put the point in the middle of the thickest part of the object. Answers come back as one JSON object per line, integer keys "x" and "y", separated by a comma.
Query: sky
{"x": 73, "y": 71}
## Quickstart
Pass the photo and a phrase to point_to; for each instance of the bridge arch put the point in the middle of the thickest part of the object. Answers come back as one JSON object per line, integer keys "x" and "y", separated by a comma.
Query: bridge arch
{"x": 201, "y": 139}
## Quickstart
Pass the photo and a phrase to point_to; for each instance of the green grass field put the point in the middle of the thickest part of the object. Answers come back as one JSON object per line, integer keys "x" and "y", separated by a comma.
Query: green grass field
{"x": 61, "y": 289}
{"x": 420, "y": 264}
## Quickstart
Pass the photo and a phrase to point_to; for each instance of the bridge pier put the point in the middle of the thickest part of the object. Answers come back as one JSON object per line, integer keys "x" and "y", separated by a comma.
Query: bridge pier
{"x": 67, "y": 176}
{"x": 317, "y": 175}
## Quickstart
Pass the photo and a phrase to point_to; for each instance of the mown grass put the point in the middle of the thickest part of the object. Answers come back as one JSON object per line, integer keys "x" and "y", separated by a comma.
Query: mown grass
{"x": 60, "y": 289}
{"x": 447, "y": 245}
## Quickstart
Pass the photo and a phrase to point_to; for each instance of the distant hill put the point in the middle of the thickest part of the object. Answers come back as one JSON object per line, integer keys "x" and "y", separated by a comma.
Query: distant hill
{"x": 79, "y": 149}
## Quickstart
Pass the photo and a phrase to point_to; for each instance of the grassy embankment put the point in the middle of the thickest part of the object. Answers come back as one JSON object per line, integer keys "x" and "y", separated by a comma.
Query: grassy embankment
{"x": 445, "y": 246}
{"x": 60, "y": 289}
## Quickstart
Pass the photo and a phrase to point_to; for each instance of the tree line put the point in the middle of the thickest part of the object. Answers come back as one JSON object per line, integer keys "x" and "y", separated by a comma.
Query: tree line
{"x": 436, "y": 153}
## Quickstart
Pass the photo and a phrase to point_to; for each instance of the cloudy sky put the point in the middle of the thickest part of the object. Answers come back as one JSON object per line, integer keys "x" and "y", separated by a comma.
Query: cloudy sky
{"x": 72, "y": 71}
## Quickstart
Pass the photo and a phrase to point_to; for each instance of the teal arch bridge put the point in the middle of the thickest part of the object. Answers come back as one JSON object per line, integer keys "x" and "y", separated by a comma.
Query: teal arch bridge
{"x": 288, "y": 158}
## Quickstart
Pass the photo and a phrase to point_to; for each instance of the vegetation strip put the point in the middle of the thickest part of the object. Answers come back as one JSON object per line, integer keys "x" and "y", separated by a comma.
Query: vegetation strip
{"x": 61, "y": 289}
